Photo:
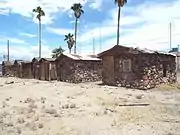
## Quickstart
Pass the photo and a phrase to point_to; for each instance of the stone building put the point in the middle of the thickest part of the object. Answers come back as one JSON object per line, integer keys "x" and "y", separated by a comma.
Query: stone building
{"x": 48, "y": 69}
{"x": 136, "y": 68}
{"x": 77, "y": 69}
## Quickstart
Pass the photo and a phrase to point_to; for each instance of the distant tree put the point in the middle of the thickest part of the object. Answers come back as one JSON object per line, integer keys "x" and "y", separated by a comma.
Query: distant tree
{"x": 57, "y": 52}
{"x": 70, "y": 41}
{"x": 120, "y": 4}
{"x": 40, "y": 13}
{"x": 77, "y": 8}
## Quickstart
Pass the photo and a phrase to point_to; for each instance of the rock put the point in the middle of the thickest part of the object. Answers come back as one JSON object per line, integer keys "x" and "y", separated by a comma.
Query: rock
{"x": 73, "y": 106}
{"x": 40, "y": 125}
{"x": 10, "y": 82}
{"x": 19, "y": 131}
{"x": 33, "y": 106}
{"x": 57, "y": 115}
{"x": 51, "y": 111}
{"x": 20, "y": 120}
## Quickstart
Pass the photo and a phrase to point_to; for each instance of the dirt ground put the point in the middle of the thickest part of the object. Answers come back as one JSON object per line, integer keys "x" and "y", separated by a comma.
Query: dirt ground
{"x": 32, "y": 107}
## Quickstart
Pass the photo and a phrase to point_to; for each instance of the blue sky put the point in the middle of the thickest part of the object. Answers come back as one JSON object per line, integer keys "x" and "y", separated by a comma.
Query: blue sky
{"x": 143, "y": 24}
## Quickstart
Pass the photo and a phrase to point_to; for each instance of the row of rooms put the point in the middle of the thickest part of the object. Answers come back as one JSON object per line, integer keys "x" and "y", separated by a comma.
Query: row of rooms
{"x": 67, "y": 68}
{"x": 120, "y": 66}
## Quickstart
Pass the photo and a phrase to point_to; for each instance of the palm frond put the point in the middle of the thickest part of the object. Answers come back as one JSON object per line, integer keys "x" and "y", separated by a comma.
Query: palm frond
{"x": 42, "y": 13}
{"x": 120, "y": 3}
{"x": 34, "y": 10}
{"x": 82, "y": 11}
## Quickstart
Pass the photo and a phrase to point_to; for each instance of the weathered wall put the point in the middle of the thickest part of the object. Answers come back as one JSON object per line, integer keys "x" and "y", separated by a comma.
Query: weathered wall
{"x": 148, "y": 70}
{"x": 108, "y": 70}
{"x": 65, "y": 69}
{"x": 36, "y": 70}
{"x": 7, "y": 70}
{"x": 53, "y": 71}
{"x": 126, "y": 79}
{"x": 27, "y": 70}
{"x": 44, "y": 74}
{"x": 88, "y": 71}
{"x": 48, "y": 73}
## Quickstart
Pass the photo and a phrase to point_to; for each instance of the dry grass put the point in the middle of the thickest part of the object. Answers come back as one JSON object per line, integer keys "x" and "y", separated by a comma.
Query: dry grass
{"x": 168, "y": 87}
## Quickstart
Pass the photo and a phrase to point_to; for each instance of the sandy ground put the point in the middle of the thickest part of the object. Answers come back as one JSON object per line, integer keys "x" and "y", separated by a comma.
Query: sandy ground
{"x": 32, "y": 107}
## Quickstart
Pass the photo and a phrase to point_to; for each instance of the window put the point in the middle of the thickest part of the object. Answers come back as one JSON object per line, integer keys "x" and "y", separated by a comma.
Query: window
{"x": 127, "y": 65}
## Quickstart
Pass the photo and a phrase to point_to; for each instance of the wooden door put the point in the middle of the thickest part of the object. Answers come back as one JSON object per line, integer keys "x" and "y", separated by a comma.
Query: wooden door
{"x": 108, "y": 70}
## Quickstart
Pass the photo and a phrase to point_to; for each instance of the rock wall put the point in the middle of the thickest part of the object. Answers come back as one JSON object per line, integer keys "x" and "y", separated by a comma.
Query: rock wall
{"x": 88, "y": 71}
{"x": 69, "y": 70}
{"x": 148, "y": 70}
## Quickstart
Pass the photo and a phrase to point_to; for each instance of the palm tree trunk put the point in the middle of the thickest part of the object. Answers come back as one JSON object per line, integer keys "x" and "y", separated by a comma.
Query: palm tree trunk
{"x": 119, "y": 13}
{"x": 69, "y": 50}
{"x": 75, "y": 36}
{"x": 39, "y": 38}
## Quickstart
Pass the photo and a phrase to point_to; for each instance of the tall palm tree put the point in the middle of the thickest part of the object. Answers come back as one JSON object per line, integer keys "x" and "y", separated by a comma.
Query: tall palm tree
{"x": 40, "y": 13}
{"x": 70, "y": 41}
{"x": 120, "y": 4}
{"x": 77, "y": 8}
{"x": 57, "y": 52}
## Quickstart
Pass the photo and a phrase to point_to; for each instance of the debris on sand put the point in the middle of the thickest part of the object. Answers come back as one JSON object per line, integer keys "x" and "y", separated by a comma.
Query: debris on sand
{"x": 51, "y": 111}
{"x": 9, "y": 82}
{"x": 40, "y": 125}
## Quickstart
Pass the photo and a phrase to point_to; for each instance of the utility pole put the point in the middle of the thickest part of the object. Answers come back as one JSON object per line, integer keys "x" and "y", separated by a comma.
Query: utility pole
{"x": 100, "y": 45}
{"x": 93, "y": 45}
{"x": 170, "y": 33}
{"x": 177, "y": 56}
{"x": 8, "y": 50}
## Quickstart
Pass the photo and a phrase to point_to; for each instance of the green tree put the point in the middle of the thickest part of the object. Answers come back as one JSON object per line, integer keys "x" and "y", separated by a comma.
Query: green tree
{"x": 57, "y": 52}
{"x": 40, "y": 13}
{"x": 70, "y": 41}
{"x": 77, "y": 8}
{"x": 120, "y": 4}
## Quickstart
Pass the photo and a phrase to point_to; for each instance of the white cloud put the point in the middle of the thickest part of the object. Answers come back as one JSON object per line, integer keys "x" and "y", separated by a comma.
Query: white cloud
{"x": 28, "y": 35}
{"x": 71, "y": 22}
{"x": 4, "y": 11}
{"x": 59, "y": 31}
{"x": 96, "y": 4}
{"x": 12, "y": 40}
{"x": 27, "y": 52}
{"x": 152, "y": 31}
{"x": 50, "y": 7}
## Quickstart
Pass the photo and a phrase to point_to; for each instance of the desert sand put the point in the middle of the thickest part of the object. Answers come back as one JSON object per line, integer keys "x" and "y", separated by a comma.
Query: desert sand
{"x": 33, "y": 107}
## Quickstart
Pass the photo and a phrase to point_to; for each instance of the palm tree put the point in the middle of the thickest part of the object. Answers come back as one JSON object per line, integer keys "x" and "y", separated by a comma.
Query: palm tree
{"x": 70, "y": 41}
{"x": 57, "y": 52}
{"x": 40, "y": 13}
{"x": 120, "y": 4}
{"x": 77, "y": 8}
